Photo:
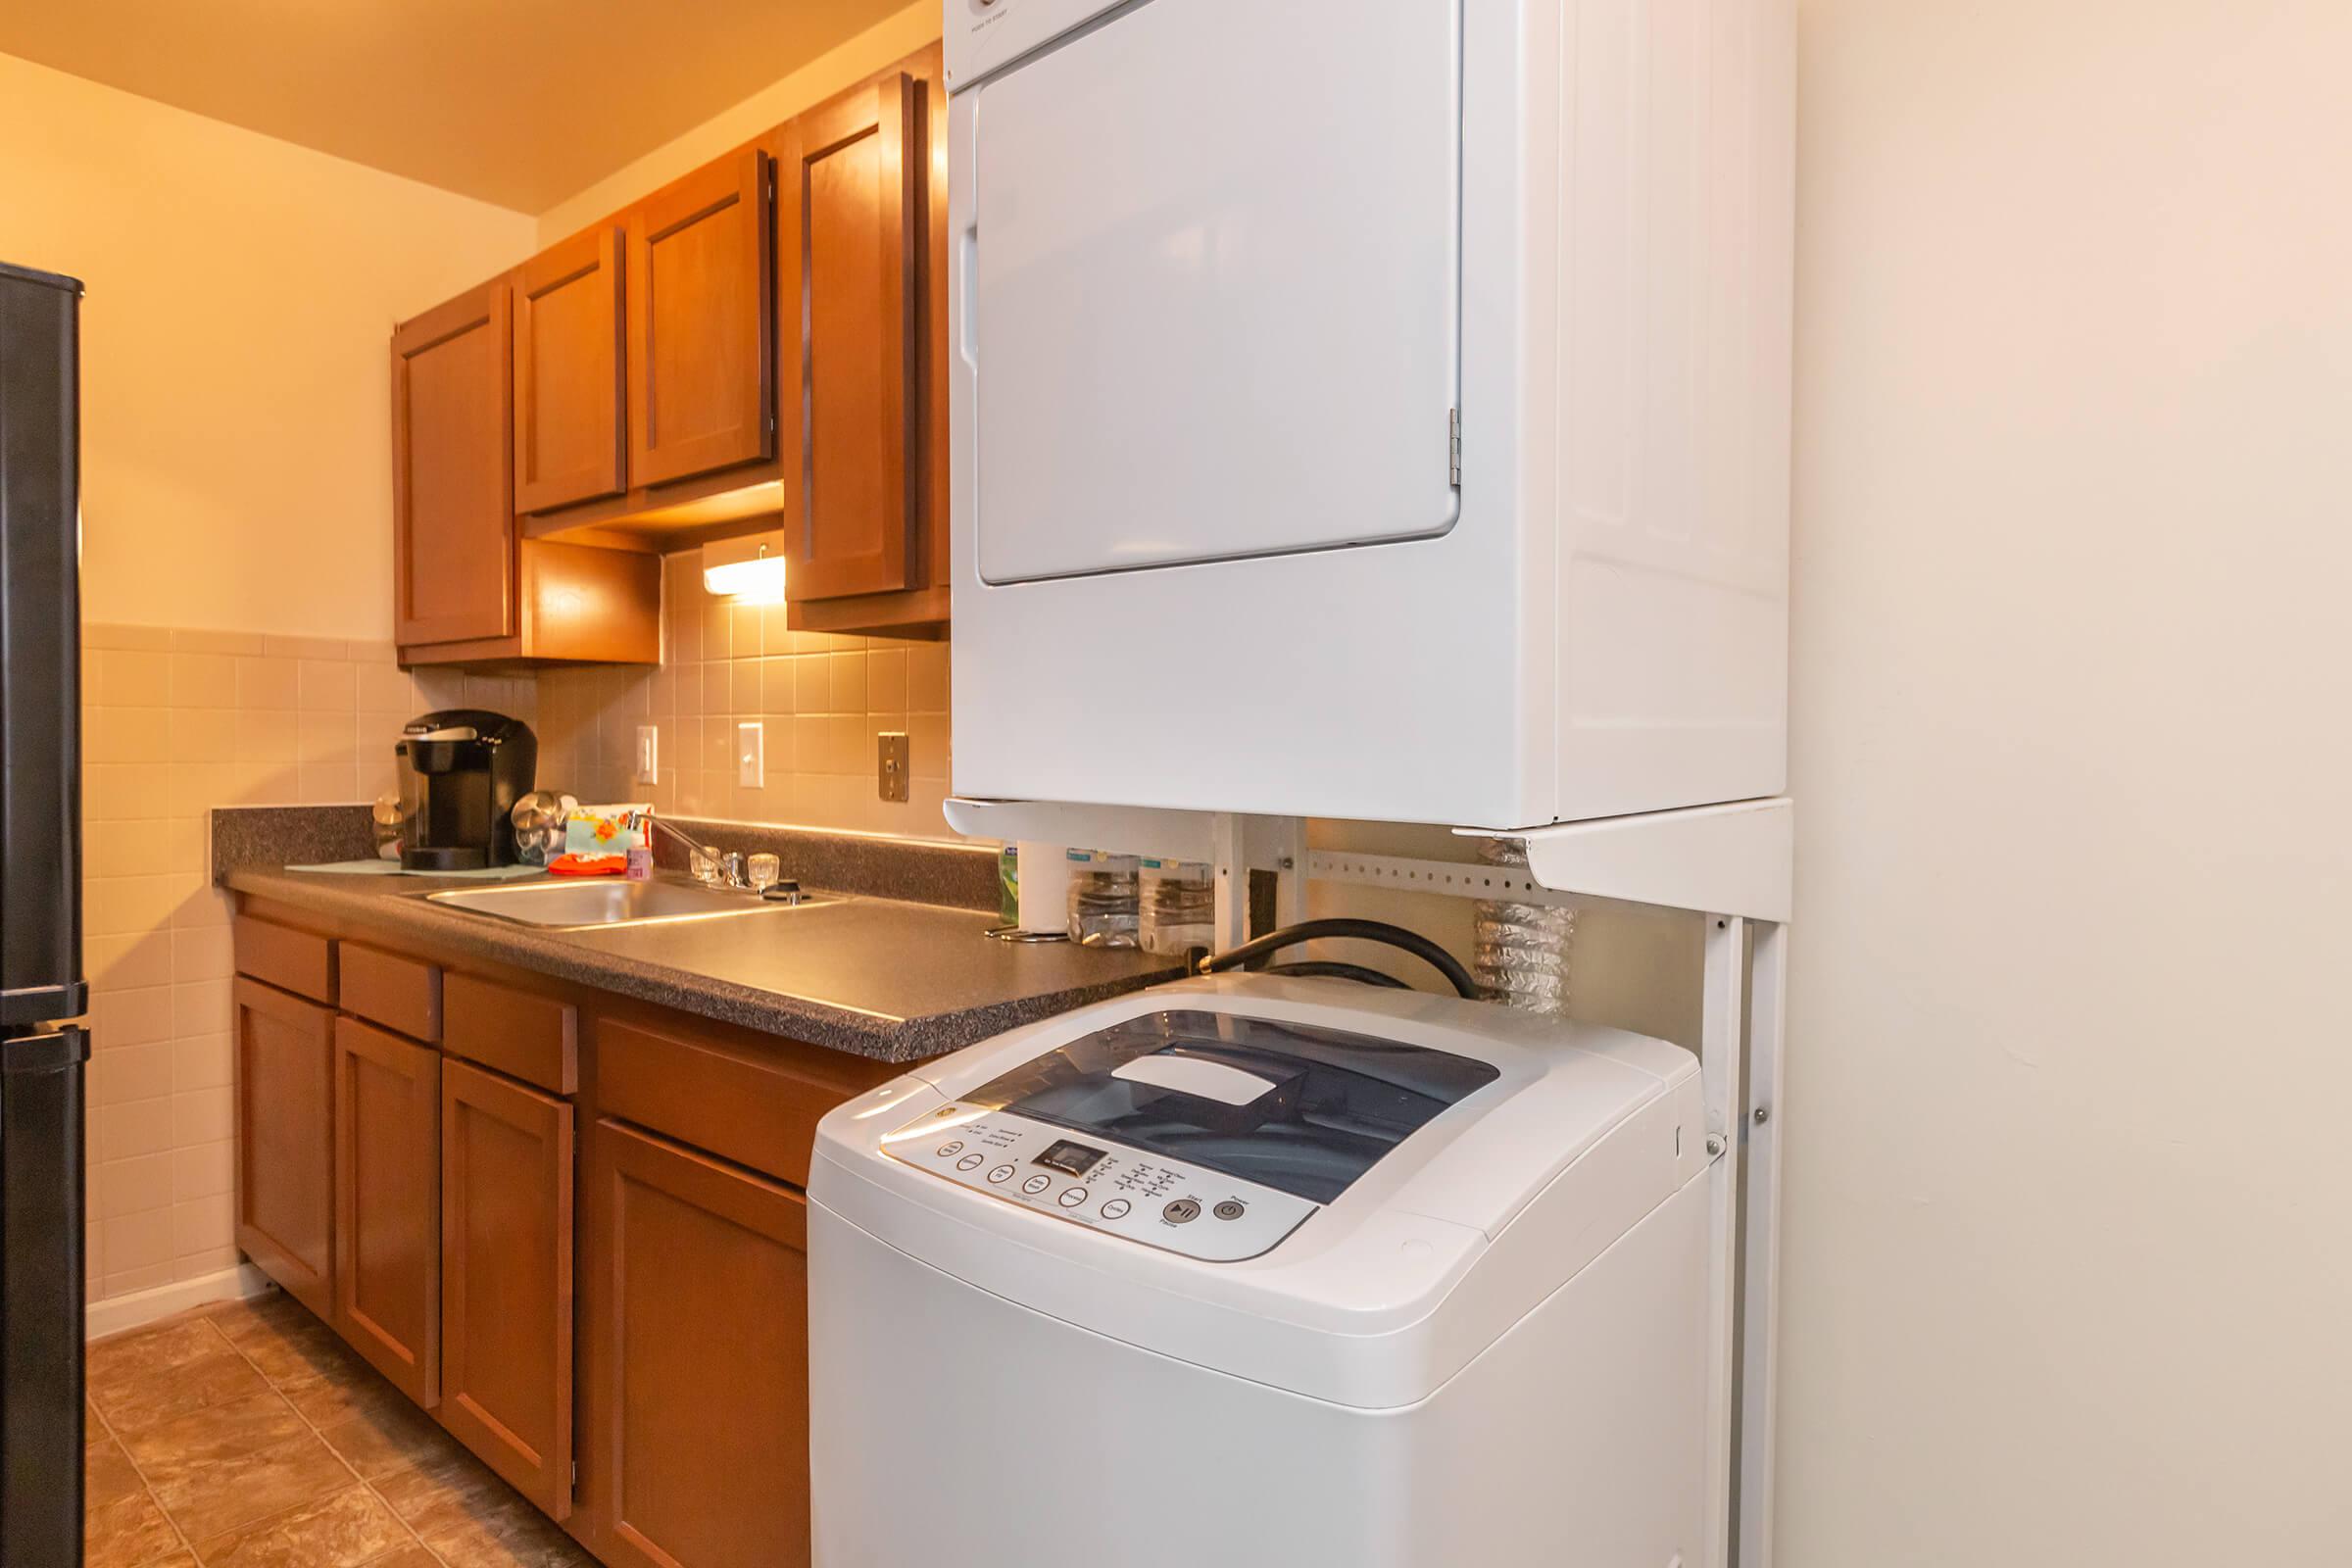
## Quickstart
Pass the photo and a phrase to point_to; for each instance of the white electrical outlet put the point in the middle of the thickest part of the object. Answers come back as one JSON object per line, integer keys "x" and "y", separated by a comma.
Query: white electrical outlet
{"x": 751, "y": 754}
{"x": 649, "y": 754}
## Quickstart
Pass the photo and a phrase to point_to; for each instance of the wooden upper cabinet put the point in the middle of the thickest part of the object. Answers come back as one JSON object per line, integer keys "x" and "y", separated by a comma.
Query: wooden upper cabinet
{"x": 286, "y": 1141}
{"x": 388, "y": 1205}
{"x": 700, "y": 365}
{"x": 453, "y": 494}
{"x": 849, "y": 232}
{"x": 568, "y": 362}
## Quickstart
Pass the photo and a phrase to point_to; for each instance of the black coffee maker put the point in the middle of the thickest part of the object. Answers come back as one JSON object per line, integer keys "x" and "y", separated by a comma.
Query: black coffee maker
{"x": 462, "y": 770}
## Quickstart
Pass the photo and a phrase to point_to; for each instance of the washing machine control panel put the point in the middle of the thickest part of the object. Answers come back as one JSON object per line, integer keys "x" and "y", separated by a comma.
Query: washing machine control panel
{"x": 1092, "y": 1182}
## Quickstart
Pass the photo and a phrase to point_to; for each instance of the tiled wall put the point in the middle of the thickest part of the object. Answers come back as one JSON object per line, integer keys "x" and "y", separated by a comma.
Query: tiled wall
{"x": 820, "y": 698}
{"x": 173, "y": 723}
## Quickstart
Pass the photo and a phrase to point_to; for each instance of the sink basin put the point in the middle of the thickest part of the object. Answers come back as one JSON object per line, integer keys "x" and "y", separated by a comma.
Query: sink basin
{"x": 608, "y": 901}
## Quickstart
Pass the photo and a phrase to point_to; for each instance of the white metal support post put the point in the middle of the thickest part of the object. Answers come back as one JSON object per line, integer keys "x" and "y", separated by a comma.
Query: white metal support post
{"x": 1723, "y": 1022}
{"x": 1759, "y": 1283}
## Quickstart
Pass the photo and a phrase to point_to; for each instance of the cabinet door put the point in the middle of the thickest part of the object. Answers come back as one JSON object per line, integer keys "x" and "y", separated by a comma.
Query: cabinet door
{"x": 286, "y": 1141}
{"x": 505, "y": 1278}
{"x": 387, "y": 1205}
{"x": 453, "y": 493}
{"x": 699, "y": 1333}
{"x": 701, "y": 357}
{"x": 849, "y": 237}
{"x": 567, "y": 358}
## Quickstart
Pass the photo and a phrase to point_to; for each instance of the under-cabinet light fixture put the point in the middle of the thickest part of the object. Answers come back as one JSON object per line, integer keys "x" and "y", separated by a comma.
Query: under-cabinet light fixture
{"x": 750, "y": 570}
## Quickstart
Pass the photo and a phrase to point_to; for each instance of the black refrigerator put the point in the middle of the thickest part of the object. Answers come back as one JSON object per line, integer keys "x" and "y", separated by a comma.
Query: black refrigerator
{"x": 41, "y": 985}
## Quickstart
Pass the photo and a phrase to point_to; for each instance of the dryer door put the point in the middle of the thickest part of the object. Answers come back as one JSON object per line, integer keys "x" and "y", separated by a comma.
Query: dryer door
{"x": 1211, "y": 295}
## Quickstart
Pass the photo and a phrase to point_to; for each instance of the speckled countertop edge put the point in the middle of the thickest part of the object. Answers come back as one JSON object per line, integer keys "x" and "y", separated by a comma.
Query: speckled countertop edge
{"x": 865, "y": 1034}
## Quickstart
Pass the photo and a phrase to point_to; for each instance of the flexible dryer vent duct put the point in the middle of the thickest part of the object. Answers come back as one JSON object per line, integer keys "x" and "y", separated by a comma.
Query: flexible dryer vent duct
{"x": 1520, "y": 950}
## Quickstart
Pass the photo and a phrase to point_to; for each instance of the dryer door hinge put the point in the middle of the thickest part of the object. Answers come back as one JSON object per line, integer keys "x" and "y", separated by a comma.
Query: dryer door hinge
{"x": 1453, "y": 446}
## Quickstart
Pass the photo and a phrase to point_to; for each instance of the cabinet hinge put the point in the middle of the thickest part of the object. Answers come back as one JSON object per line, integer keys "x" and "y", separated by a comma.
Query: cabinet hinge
{"x": 1453, "y": 446}
{"x": 575, "y": 1472}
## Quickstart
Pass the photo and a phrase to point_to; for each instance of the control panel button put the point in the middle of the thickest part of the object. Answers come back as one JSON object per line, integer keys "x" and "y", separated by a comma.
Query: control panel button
{"x": 944, "y": 1149}
{"x": 968, "y": 1162}
{"x": 1228, "y": 1209}
{"x": 1072, "y": 1196}
{"x": 1036, "y": 1185}
{"x": 1181, "y": 1211}
{"x": 1116, "y": 1209}
{"x": 1003, "y": 1173}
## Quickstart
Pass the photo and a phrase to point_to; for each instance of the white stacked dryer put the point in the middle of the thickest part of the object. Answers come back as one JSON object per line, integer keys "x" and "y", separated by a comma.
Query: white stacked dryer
{"x": 1371, "y": 410}
{"x": 1255, "y": 1273}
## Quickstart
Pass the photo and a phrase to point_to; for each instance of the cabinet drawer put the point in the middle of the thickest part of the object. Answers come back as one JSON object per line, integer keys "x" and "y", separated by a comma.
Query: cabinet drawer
{"x": 289, "y": 960}
{"x": 755, "y": 1105}
{"x": 524, "y": 1035}
{"x": 403, "y": 995}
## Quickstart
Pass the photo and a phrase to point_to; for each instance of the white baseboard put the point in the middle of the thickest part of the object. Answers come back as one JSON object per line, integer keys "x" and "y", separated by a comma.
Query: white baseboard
{"x": 118, "y": 1313}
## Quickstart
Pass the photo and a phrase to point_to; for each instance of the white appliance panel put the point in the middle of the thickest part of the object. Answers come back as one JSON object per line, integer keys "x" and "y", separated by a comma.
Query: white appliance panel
{"x": 1577, "y": 1438}
{"x": 1213, "y": 303}
{"x": 1177, "y": 1207}
{"x": 1603, "y": 627}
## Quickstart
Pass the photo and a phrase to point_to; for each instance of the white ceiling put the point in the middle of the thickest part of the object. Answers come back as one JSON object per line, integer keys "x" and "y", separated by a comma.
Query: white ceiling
{"x": 518, "y": 102}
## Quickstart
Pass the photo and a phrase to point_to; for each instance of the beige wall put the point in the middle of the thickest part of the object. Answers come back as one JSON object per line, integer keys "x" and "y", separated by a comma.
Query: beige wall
{"x": 2067, "y": 1277}
{"x": 236, "y": 536}
{"x": 893, "y": 38}
{"x": 236, "y": 446}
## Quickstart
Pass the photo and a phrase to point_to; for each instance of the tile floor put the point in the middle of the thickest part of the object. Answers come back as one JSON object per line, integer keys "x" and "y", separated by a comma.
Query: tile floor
{"x": 248, "y": 1436}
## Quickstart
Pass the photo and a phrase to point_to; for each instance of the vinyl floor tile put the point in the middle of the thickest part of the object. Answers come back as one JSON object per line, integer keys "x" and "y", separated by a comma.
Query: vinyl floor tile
{"x": 170, "y": 1449}
{"x": 128, "y": 1533}
{"x": 211, "y": 1499}
{"x": 249, "y": 1436}
{"x": 106, "y": 1473}
{"x": 342, "y": 1530}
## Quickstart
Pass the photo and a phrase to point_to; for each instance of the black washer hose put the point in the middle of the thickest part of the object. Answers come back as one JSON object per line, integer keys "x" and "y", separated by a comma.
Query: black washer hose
{"x": 1324, "y": 969}
{"x": 1253, "y": 955}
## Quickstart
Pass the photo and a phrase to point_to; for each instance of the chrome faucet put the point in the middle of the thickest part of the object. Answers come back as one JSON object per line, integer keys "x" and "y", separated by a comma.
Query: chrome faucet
{"x": 707, "y": 862}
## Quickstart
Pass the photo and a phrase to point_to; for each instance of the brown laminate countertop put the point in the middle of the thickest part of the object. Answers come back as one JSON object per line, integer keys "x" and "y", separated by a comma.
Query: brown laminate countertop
{"x": 876, "y": 977}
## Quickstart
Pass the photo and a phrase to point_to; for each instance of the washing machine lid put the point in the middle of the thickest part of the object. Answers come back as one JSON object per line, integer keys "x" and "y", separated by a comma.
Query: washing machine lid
{"x": 1297, "y": 1108}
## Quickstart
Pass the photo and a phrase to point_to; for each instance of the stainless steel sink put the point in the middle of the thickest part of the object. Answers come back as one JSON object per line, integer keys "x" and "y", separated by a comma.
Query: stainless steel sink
{"x": 586, "y": 905}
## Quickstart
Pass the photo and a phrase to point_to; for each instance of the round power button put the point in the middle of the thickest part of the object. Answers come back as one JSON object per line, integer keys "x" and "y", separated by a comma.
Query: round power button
{"x": 1229, "y": 1209}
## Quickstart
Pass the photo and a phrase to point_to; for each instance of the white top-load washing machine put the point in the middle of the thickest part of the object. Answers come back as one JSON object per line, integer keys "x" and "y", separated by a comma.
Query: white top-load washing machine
{"x": 1248, "y": 1271}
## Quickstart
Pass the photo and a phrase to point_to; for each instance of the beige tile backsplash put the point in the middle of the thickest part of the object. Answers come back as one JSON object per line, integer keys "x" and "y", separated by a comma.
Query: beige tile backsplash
{"x": 820, "y": 698}
{"x": 176, "y": 723}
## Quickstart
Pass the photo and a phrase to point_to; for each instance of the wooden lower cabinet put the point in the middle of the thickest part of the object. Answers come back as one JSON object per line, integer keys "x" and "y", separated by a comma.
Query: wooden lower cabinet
{"x": 697, "y": 1281}
{"x": 387, "y": 1205}
{"x": 506, "y": 1224}
{"x": 574, "y": 1231}
{"x": 286, "y": 1141}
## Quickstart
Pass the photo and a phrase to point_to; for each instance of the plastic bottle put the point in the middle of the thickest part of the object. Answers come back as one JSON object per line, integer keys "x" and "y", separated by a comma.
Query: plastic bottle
{"x": 1106, "y": 910}
{"x": 1179, "y": 907}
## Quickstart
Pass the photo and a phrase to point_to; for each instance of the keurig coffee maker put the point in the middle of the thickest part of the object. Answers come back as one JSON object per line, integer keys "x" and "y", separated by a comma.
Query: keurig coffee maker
{"x": 462, "y": 770}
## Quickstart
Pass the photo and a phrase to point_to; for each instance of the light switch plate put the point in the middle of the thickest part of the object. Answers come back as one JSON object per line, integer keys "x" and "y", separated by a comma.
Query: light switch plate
{"x": 649, "y": 754}
{"x": 751, "y": 754}
{"x": 890, "y": 764}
